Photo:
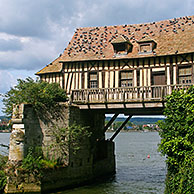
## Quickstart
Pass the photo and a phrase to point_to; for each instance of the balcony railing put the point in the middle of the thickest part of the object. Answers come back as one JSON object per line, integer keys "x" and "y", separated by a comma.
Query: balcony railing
{"x": 129, "y": 94}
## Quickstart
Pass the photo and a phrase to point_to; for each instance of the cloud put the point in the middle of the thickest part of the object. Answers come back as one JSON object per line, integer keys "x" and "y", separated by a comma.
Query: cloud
{"x": 40, "y": 30}
{"x": 4, "y": 77}
{"x": 31, "y": 18}
{"x": 8, "y": 79}
{"x": 10, "y": 45}
{"x": 130, "y": 11}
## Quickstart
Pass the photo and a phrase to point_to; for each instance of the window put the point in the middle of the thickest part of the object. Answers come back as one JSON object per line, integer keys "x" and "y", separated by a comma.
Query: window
{"x": 145, "y": 48}
{"x": 93, "y": 80}
{"x": 121, "y": 45}
{"x": 185, "y": 75}
{"x": 146, "y": 45}
{"x": 126, "y": 78}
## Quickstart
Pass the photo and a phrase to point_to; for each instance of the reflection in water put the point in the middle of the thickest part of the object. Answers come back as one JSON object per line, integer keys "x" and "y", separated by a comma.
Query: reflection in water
{"x": 136, "y": 173}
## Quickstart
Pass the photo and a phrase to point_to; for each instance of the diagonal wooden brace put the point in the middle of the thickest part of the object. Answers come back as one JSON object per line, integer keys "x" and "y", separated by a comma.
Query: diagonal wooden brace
{"x": 121, "y": 127}
{"x": 110, "y": 122}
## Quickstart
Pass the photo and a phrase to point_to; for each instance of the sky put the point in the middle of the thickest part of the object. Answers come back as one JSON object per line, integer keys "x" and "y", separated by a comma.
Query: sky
{"x": 34, "y": 33}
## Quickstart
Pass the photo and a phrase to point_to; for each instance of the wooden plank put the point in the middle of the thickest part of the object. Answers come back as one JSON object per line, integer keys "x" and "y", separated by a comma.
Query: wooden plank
{"x": 70, "y": 83}
{"x": 119, "y": 65}
{"x": 68, "y": 75}
{"x": 159, "y": 61}
{"x": 114, "y": 74}
{"x": 75, "y": 76}
{"x": 137, "y": 62}
{"x": 154, "y": 61}
{"x": 78, "y": 77}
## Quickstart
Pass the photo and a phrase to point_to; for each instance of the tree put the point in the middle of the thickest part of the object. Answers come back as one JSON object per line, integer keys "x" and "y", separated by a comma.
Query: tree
{"x": 177, "y": 143}
{"x": 39, "y": 94}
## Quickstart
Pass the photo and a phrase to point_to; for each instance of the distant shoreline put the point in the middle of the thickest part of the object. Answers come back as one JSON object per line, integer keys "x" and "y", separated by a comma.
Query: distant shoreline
{"x": 128, "y": 131}
{"x": 5, "y": 131}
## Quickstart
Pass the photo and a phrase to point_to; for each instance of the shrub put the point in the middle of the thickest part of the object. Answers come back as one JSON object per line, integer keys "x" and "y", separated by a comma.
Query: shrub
{"x": 64, "y": 139}
{"x": 177, "y": 143}
{"x": 3, "y": 179}
{"x": 68, "y": 138}
{"x": 39, "y": 94}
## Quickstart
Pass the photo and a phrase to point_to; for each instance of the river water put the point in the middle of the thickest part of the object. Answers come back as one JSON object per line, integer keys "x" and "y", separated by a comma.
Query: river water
{"x": 4, "y": 139}
{"x": 136, "y": 172}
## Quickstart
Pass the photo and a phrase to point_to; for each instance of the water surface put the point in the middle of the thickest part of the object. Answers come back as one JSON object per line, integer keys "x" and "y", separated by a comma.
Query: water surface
{"x": 136, "y": 173}
{"x": 4, "y": 139}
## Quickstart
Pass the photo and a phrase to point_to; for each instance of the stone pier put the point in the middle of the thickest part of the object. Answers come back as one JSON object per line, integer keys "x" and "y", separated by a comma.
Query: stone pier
{"x": 31, "y": 130}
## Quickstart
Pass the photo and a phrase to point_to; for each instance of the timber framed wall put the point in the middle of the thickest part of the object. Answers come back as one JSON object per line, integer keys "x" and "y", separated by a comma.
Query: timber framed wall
{"x": 75, "y": 75}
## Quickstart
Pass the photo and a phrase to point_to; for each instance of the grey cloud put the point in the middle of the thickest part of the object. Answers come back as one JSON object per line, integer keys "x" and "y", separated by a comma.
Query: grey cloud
{"x": 35, "y": 18}
{"x": 29, "y": 62}
{"x": 130, "y": 11}
{"x": 32, "y": 18}
{"x": 10, "y": 45}
{"x": 50, "y": 24}
{"x": 5, "y": 85}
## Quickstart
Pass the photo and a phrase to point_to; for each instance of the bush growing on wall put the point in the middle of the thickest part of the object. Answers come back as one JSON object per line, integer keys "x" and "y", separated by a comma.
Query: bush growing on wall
{"x": 72, "y": 136}
{"x": 177, "y": 143}
{"x": 3, "y": 178}
{"x": 39, "y": 94}
{"x": 64, "y": 139}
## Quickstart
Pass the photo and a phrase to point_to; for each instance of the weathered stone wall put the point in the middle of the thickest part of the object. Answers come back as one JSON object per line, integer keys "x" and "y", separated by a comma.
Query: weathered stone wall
{"x": 32, "y": 130}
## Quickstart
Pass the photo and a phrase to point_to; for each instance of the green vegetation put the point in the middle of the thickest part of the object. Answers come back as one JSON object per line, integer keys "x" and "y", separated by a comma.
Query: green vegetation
{"x": 3, "y": 127}
{"x": 34, "y": 162}
{"x": 71, "y": 137}
{"x": 139, "y": 120}
{"x": 177, "y": 143}
{"x": 117, "y": 124}
{"x": 39, "y": 94}
{"x": 65, "y": 138}
{"x": 3, "y": 179}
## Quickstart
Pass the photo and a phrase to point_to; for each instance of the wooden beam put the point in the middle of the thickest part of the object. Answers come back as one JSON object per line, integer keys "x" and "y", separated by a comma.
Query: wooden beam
{"x": 184, "y": 58}
{"x": 110, "y": 122}
{"x": 121, "y": 127}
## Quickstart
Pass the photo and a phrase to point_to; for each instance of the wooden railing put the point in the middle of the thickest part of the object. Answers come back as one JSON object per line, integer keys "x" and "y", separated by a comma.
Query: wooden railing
{"x": 130, "y": 94}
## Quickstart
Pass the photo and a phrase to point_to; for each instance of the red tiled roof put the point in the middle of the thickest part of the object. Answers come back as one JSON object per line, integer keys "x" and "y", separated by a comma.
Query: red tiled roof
{"x": 145, "y": 39}
{"x": 120, "y": 39}
{"x": 94, "y": 43}
{"x": 54, "y": 67}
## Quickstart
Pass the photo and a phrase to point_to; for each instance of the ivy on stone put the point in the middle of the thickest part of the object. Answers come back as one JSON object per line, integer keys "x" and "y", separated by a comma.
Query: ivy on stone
{"x": 68, "y": 139}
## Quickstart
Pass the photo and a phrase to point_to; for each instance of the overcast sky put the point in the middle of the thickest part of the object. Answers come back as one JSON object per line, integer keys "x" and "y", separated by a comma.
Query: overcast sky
{"x": 35, "y": 32}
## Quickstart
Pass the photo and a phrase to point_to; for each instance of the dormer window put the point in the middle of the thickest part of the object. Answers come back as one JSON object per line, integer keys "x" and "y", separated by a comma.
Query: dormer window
{"x": 146, "y": 45}
{"x": 121, "y": 45}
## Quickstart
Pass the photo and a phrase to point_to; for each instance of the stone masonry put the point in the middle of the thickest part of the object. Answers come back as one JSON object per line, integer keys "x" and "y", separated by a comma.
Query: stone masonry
{"x": 35, "y": 130}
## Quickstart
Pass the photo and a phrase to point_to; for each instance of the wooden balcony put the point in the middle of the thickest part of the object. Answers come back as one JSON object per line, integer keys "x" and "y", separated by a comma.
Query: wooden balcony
{"x": 128, "y": 97}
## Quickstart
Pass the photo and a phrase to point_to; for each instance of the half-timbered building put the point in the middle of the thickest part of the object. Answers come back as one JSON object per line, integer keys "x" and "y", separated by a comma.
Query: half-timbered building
{"x": 125, "y": 62}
